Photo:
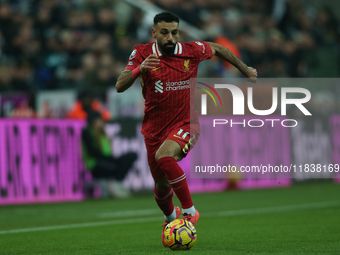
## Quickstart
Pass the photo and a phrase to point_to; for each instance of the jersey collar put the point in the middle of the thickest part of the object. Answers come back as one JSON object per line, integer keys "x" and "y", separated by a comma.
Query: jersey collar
{"x": 155, "y": 50}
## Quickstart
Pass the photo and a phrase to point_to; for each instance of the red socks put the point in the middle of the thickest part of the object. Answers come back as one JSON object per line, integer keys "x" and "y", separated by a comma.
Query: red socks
{"x": 177, "y": 179}
{"x": 164, "y": 200}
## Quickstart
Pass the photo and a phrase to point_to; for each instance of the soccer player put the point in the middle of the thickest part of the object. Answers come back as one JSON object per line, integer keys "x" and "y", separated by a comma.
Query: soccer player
{"x": 170, "y": 126}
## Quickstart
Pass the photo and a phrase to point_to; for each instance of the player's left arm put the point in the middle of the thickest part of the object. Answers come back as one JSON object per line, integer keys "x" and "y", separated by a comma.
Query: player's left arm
{"x": 226, "y": 55}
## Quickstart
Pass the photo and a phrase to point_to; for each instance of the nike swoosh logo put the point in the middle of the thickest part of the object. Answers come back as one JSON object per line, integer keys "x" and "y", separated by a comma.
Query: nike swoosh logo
{"x": 177, "y": 136}
{"x": 157, "y": 68}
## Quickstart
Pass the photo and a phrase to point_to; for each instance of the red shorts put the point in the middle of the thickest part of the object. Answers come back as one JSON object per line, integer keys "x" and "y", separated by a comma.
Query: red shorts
{"x": 185, "y": 135}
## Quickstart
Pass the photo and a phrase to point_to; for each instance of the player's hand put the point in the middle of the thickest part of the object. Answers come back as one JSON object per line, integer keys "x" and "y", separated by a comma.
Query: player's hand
{"x": 250, "y": 74}
{"x": 149, "y": 63}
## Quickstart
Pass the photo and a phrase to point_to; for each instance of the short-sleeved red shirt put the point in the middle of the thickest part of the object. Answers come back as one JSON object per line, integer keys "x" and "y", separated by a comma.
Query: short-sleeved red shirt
{"x": 166, "y": 88}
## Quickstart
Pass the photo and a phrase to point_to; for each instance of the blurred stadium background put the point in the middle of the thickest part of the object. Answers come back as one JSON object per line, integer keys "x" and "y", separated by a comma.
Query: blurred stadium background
{"x": 55, "y": 53}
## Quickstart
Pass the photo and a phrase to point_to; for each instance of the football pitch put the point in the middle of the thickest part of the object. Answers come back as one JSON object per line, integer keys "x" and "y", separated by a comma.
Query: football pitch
{"x": 302, "y": 219}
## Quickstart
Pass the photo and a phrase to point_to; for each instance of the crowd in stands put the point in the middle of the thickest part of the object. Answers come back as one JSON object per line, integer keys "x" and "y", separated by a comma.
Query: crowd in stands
{"x": 84, "y": 44}
{"x": 279, "y": 38}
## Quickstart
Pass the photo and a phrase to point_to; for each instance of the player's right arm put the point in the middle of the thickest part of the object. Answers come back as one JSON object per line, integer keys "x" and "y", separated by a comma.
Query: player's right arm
{"x": 128, "y": 77}
{"x": 226, "y": 55}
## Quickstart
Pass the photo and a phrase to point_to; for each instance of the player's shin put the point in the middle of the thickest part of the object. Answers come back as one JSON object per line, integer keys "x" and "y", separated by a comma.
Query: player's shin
{"x": 177, "y": 179}
{"x": 164, "y": 201}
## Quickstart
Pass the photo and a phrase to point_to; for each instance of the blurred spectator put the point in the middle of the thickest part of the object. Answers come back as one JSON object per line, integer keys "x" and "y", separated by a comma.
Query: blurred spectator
{"x": 106, "y": 21}
{"x": 5, "y": 78}
{"x": 97, "y": 156}
{"x": 45, "y": 111}
{"x": 231, "y": 46}
{"x": 86, "y": 103}
{"x": 23, "y": 110}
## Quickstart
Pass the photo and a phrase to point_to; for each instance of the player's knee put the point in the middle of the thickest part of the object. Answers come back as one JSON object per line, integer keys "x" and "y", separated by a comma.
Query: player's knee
{"x": 157, "y": 156}
{"x": 160, "y": 155}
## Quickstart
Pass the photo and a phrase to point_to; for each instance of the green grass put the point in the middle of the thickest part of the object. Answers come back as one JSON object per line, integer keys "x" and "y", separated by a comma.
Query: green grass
{"x": 303, "y": 219}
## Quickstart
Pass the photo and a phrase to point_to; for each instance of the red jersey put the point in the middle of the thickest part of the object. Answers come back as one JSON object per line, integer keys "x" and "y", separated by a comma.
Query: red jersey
{"x": 166, "y": 88}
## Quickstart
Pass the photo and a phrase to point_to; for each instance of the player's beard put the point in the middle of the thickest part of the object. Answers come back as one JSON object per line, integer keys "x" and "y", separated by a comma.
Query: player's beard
{"x": 167, "y": 50}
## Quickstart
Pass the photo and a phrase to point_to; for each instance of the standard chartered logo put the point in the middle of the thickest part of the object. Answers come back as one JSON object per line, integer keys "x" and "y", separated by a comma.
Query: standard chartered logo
{"x": 177, "y": 85}
{"x": 159, "y": 86}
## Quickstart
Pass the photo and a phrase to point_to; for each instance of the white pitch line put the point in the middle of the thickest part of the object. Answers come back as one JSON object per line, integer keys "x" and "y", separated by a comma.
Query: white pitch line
{"x": 284, "y": 208}
{"x": 130, "y": 213}
{"x": 80, "y": 225}
{"x": 276, "y": 209}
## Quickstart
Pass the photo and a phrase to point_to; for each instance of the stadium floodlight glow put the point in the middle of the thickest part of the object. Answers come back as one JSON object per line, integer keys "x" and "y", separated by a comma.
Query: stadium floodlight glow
{"x": 238, "y": 100}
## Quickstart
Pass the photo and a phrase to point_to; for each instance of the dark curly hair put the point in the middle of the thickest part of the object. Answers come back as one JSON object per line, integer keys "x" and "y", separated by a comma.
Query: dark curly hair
{"x": 168, "y": 17}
